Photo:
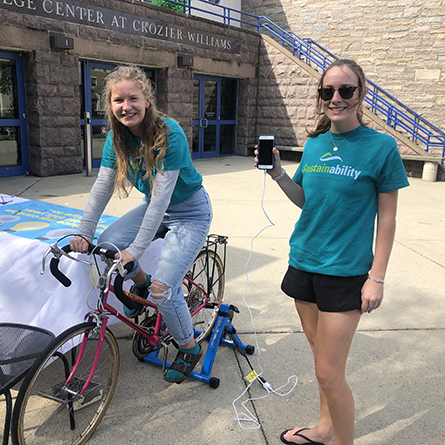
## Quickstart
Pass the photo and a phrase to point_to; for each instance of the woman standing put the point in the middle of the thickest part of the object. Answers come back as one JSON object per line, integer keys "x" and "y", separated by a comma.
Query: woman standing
{"x": 151, "y": 153}
{"x": 349, "y": 175}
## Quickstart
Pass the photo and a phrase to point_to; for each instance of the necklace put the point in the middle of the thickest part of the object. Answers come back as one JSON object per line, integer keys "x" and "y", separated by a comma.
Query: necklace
{"x": 338, "y": 145}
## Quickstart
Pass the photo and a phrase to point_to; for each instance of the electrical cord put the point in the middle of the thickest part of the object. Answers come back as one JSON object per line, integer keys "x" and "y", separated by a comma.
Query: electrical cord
{"x": 247, "y": 415}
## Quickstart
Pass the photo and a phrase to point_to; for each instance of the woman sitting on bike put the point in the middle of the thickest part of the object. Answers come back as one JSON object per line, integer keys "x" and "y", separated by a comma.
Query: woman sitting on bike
{"x": 151, "y": 153}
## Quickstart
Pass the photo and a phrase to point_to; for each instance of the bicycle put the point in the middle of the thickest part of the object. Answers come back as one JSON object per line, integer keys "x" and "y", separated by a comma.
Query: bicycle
{"x": 68, "y": 390}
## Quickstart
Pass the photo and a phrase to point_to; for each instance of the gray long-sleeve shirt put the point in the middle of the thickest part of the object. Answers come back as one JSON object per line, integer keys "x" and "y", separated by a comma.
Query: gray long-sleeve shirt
{"x": 101, "y": 193}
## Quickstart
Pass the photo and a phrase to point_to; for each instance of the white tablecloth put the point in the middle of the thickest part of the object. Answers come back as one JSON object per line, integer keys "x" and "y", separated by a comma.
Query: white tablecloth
{"x": 28, "y": 297}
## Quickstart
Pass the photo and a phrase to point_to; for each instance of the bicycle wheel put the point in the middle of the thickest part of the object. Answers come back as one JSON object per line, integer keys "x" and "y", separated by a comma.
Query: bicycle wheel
{"x": 207, "y": 272}
{"x": 47, "y": 411}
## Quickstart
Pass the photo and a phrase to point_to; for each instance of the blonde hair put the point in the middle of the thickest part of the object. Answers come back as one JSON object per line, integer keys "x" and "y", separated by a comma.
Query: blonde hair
{"x": 154, "y": 131}
{"x": 323, "y": 123}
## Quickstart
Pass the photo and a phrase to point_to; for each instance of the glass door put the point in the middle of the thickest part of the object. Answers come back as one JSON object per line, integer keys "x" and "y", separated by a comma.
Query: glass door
{"x": 92, "y": 77}
{"x": 214, "y": 116}
{"x": 14, "y": 155}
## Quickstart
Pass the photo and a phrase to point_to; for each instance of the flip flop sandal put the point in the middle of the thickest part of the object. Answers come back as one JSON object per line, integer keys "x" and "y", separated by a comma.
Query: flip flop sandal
{"x": 184, "y": 363}
{"x": 297, "y": 433}
{"x": 140, "y": 292}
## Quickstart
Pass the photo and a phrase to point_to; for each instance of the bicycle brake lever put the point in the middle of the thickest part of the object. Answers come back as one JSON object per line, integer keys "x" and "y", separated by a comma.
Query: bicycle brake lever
{"x": 55, "y": 250}
{"x": 121, "y": 269}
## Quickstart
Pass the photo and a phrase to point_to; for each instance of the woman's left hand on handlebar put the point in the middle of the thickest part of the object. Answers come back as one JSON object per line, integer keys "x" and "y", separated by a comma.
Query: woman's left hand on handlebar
{"x": 79, "y": 244}
{"x": 126, "y": 257}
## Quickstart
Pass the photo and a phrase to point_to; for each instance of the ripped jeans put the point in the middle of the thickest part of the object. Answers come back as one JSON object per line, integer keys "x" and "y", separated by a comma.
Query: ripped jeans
{"x": 188, "y": 224}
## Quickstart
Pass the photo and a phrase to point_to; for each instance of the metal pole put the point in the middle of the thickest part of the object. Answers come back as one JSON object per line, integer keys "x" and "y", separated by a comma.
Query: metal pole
{"x": 87, "y": 144}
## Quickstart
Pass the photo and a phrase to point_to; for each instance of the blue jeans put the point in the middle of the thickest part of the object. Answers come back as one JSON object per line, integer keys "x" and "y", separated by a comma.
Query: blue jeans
{"x": 188, "y": 224}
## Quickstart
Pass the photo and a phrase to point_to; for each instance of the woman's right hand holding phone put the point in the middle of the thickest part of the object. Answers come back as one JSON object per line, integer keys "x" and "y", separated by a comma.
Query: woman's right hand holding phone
{"x": 293, "y": 191}
{"x": 277, "y": 169}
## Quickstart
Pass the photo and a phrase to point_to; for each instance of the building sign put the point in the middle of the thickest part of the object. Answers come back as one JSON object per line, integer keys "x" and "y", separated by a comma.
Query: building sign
{"x": 90, "y": 15}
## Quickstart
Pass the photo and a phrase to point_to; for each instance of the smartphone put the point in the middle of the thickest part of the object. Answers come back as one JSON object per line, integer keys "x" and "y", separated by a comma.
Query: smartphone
{"x": 266, "y": 143}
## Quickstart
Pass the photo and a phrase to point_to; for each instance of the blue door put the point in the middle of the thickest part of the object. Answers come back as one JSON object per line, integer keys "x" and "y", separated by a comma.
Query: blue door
{"x": 14, "y": 154}
{"x": 214, "y": 116}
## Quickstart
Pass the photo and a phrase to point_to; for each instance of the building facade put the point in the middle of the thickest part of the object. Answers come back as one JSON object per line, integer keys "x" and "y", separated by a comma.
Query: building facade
{"x": 221, "y": 79}
{"x": 55, "y": 55}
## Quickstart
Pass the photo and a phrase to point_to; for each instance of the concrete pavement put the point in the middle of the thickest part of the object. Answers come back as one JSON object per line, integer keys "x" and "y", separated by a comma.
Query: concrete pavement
{"x": 395, "y": 367}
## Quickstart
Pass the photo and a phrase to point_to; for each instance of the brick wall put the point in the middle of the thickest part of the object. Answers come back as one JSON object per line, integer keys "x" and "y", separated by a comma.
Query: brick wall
{"x": 399, "y": 43}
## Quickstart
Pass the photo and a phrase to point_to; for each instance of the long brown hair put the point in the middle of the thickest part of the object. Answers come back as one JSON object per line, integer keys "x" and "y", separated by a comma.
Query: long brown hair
{"x": 154, "y": 130}
{"x": 323, "y": 123}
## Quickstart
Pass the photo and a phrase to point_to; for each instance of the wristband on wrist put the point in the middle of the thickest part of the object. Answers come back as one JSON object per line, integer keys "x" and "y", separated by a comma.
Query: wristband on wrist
{"x": 280, "y": 176}
{"x": 376, "y": 280}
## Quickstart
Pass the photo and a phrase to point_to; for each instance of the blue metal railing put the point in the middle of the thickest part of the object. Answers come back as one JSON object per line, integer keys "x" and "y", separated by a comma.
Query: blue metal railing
{"x": 397, "y": 115}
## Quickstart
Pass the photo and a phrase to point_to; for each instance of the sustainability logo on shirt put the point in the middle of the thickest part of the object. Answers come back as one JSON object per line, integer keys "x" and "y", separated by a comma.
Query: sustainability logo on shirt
{"x": 326, "y": 167}
{"x": 138, "y": 163}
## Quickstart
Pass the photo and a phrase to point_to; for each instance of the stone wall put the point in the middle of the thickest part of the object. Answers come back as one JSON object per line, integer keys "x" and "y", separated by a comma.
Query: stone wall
{"x": 286, "y": 97}
{"x": 174, "y": 96}
{"x": 399, "y": 43}
{"x": 52, "y": 87}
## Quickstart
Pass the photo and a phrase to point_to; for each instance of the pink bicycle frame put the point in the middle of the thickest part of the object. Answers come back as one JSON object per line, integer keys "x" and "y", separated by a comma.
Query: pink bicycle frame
{"x": 153, "y": 339}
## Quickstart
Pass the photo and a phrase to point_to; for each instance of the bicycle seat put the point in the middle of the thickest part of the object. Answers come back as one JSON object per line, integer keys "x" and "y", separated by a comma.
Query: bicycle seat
{"x": 162, "y": 231}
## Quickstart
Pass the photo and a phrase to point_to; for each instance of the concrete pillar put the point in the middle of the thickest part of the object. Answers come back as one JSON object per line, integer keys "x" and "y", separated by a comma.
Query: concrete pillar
{"x": 430, "y": 171}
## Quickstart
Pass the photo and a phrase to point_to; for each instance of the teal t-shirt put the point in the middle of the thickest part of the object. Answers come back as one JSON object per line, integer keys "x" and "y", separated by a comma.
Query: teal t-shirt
{"x": 334, "y": 234}
{"x": 177, "y": 158}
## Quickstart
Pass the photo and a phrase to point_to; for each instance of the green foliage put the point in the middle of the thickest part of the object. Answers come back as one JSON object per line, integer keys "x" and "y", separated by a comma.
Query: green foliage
{"x": 169, "y": 5}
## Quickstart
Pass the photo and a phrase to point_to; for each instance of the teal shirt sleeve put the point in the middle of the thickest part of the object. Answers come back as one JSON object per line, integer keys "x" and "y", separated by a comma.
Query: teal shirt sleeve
{"x": 108, "y": 155}
{"x": 177, "y": 156}
{"x": 298, "y": 176}
{"x": 392, "y": 175}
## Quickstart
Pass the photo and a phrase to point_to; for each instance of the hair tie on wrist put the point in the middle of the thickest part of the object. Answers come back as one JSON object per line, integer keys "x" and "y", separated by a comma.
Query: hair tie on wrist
{"x": 280, "y": 176}
{"x": 376, "y": 280}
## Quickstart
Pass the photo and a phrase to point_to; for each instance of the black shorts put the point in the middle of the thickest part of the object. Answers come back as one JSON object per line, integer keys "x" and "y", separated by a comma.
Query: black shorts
{"x": 329, "y": 293}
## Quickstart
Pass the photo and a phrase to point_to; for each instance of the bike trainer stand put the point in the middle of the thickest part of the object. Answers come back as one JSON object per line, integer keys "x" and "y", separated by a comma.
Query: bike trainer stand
{"x": 221, "y": 330}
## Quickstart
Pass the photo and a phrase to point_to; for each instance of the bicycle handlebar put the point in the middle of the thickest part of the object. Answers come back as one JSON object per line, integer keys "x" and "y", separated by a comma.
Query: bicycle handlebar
{"x": 54, "y": 264}
{"x": 54, "y": 268}
{"x": 119, "y": 292}
{"x": 118, "y": 281}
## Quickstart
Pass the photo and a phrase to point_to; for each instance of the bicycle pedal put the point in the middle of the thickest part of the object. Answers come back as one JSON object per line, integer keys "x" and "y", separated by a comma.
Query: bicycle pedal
{"x": 163, "y": 342}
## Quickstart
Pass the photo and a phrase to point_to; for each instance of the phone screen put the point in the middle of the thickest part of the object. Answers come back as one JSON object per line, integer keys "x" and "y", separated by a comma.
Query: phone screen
{"x": 265, "y": 153}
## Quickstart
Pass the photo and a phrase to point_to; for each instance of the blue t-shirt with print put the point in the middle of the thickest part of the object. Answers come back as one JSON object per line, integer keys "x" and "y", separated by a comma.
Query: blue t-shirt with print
{"x": 177, "y": 158}
{"x": 334, "y": 234}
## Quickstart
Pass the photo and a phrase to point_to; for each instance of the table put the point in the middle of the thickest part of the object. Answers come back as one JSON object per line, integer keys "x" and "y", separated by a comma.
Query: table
{"x": 26, "y": 296}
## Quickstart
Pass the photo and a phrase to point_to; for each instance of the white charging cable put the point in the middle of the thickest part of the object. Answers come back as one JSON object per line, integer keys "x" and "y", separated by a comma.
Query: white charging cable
{"x": 247, "y": 416}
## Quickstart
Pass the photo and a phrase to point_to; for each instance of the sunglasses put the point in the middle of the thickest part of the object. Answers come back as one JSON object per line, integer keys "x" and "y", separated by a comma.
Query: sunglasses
{"x": 345, "y": 92}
